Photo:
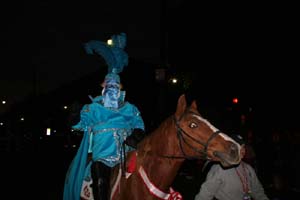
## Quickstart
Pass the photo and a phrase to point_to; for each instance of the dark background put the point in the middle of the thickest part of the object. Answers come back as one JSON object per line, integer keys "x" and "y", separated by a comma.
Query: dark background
{"x": 246, "y": 49}
{"x": 217, "y": 51}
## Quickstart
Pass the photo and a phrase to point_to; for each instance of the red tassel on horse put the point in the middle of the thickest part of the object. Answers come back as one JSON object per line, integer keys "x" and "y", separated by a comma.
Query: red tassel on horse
{"x": 132, "y": 163}
{"x": 175, "y": 195}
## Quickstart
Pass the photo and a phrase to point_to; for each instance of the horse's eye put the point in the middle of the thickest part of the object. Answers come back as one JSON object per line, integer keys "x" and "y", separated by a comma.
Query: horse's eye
{"x": 193, "y": 125}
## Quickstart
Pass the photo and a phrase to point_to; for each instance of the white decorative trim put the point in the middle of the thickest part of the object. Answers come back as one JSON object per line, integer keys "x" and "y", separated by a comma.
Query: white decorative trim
{"x": 127, "y": 175}
{"x": 151, "y": 187}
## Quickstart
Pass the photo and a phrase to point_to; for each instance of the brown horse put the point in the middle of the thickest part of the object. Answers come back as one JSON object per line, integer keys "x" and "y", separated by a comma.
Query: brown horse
{"x": 159, "y": 156}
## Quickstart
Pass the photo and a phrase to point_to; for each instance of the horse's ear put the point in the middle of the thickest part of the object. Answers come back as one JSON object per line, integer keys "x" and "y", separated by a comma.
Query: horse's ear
{"x": 181, "y": 106}
{"x": 194, "y": 105}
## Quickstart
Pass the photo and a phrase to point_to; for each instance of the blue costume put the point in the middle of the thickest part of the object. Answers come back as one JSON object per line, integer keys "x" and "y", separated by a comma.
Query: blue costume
{"x": 106, "y": 123}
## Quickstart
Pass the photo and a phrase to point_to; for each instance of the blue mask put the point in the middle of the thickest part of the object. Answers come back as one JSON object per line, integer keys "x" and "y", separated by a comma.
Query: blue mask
{"x": 111, "y": 94}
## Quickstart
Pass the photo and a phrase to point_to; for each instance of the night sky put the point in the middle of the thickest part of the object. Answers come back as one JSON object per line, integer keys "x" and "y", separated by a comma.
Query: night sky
{"x": 246, "y": 50}
{"x": 42, "y": 41}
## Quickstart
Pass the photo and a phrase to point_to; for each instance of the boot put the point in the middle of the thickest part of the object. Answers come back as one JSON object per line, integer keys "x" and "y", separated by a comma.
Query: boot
{"x": 101, "y": 176}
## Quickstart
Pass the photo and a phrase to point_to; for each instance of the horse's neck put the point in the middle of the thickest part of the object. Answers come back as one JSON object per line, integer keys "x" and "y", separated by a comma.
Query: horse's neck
{"x": 161, "y": 171}
{"x": 158, "y": 159}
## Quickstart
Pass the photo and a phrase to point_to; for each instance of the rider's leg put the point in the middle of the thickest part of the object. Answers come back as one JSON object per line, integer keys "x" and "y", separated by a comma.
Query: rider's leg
{"x": 100, "y": 175}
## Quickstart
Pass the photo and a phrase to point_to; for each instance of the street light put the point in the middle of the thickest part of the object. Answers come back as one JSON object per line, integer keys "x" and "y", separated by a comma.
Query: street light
{"x": 48, "y": 131}
{"x": 174, "y": 80}
{"x": 110, "y": 42}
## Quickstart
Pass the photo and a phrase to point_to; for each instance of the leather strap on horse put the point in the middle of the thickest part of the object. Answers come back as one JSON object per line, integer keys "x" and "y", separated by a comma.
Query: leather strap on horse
{"x": 180, "y": 135}
{"x": 181, "y": 132}
{"x": 209, "y": 139}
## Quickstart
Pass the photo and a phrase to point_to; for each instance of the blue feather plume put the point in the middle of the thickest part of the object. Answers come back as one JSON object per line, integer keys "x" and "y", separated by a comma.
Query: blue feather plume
{"x": 114, "y": 55}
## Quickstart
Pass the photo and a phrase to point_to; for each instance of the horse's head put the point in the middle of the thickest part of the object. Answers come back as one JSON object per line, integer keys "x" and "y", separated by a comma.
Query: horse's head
{"x": 198, "y": 137}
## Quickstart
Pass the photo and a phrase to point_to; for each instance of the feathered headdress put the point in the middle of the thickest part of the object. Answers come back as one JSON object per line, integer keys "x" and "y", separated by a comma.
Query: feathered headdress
{"x": 113, "y": 53}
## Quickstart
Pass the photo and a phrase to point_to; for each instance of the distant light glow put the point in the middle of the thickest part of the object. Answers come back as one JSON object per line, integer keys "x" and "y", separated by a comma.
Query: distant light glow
{"x": 65, "y": 107}
{"x": 109, "y": 42}
{"x": 22, "y": 119}
{"x": 235, "y": 100}
{"x": 174, "y": 80}
{"x": 3, "y": 102}
{"x": 1, "y": 123}
{"x": 48, "y": 131}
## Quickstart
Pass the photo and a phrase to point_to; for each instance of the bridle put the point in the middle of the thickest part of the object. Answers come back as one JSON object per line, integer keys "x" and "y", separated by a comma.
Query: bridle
{"x": 180, "y": 135}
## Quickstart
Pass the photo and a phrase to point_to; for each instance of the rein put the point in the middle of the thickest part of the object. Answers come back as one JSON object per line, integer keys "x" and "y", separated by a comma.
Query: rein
{"x": 180, "y": 135}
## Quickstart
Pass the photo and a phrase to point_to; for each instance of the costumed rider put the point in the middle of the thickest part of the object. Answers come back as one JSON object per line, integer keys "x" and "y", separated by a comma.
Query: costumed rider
{"x": 106, "y": 122}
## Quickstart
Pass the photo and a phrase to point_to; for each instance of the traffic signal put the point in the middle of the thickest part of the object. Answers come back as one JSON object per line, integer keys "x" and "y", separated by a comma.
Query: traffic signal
{"x": 235, "y": 100}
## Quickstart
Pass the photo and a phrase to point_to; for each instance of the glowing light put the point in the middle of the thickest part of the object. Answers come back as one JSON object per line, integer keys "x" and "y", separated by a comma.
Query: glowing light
{"x": 174, "y": 80}
{"x": 22, "y": 119}
{"x": 3, "y": 102}
{"x": 48, "y": 131}
{"x": 1, "y": 123}
{"x": 110, "y": 42}
{"x": 65, "y": 107}
{"x": 235, "y": 100}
